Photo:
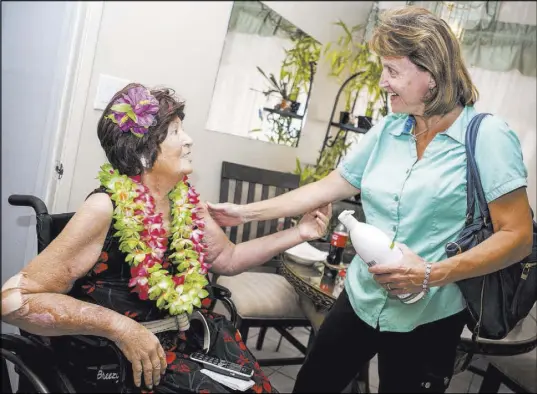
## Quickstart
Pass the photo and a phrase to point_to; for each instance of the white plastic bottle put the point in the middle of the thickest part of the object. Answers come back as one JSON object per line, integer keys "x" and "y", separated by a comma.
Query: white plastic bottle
{"x": 373, "y": 246}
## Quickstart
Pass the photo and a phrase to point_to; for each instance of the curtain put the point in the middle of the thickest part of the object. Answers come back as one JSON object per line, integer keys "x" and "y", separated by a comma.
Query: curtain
{"x": 502, "y": 47}
{"x": 494, "y": 35}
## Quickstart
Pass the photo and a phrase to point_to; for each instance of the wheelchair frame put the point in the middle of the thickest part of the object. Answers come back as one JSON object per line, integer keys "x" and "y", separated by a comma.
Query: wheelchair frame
{"x": 20, "y": 349}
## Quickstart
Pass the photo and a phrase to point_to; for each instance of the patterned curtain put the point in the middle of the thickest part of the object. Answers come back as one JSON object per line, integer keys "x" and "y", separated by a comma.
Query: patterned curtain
{"x": 486, "y": 42}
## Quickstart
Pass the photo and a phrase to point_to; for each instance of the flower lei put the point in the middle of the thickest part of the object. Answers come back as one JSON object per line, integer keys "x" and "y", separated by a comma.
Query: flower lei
{"x": 142, "y": 238}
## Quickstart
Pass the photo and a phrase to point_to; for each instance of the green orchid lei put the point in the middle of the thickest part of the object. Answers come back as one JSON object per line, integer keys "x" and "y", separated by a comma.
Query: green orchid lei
{"x": 142, "y": 237}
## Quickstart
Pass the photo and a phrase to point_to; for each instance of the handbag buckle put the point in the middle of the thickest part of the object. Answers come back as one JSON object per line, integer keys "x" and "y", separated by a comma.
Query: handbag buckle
{"x": 459, "y": 251}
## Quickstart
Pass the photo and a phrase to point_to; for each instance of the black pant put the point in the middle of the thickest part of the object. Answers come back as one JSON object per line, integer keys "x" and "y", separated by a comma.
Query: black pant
{"x": 418, "y": 361}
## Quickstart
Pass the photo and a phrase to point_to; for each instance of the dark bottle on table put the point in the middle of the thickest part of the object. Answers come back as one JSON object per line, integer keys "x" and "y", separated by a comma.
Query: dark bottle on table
{"x": 338, "y": 240}
{"x": 328, "y": 279}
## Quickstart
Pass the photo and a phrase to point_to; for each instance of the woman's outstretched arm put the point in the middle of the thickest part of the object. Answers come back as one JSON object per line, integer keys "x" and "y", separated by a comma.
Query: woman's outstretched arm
{"x": 230, "y": 259}
{"x": 296, "y": 202}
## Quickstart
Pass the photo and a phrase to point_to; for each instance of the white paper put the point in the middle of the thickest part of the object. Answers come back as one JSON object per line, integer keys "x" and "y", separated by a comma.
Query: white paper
{"x": 231, "y": 382}
{"x": 307, "y": 252}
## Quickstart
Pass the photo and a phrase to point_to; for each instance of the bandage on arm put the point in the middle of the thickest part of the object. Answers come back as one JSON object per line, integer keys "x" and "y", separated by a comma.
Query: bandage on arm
{"x": 35, "y": 299}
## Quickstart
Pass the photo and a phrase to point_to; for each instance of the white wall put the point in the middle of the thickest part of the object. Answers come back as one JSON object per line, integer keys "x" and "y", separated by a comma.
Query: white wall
{"x": 180, "y": 46}
{"x": 34, "y": 63}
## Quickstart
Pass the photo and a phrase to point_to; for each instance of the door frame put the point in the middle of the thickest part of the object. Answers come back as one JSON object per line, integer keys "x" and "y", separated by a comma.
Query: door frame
{"x": 74, "y": 101}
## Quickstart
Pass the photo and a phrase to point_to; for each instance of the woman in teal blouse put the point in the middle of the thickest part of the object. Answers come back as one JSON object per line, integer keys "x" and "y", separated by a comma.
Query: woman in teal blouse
{"x": 410, "y": 169}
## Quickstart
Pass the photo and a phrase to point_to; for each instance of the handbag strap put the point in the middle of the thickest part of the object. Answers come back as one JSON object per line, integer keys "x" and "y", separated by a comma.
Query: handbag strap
{"x": 474, "y": 188}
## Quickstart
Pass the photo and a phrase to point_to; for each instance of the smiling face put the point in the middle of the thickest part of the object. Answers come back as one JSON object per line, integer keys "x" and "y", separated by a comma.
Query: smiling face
{"x": 174, "y": 156}
{"x": 406, "y": 84}
{"x": 419, "y": 52}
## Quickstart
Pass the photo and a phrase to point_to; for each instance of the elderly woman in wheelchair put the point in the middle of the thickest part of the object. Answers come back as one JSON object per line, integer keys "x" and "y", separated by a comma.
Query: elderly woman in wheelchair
{"x": 130, "y": 267}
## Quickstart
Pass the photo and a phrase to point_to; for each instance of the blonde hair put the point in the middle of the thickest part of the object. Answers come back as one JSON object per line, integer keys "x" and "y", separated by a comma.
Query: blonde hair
{"x": 429, "y": 43}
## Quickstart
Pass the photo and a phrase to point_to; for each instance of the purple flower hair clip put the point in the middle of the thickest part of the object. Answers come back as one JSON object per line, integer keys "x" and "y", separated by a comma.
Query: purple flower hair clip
{"x": 135, "y": 111}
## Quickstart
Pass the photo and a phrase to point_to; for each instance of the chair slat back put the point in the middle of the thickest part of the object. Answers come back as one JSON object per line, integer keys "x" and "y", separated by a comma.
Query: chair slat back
{"x": 242, "y": 184}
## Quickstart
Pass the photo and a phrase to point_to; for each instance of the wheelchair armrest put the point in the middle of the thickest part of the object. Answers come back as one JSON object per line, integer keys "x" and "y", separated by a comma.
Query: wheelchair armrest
{"x": 220, "y": 291}
{"x": 224, "y": 295}
{"x": 24, "y": 200}
{"x": 22, "y": 345}
{"x": 92, "y": 340}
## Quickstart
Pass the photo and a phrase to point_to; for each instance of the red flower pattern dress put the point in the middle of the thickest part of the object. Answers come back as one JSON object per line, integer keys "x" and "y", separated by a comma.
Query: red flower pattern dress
{"x": 106, "y": 284}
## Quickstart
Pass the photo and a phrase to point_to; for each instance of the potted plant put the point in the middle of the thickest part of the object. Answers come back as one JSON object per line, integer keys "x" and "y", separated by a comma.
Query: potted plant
{"x": 296, "y": 72}
{"x": 280, "y": 87}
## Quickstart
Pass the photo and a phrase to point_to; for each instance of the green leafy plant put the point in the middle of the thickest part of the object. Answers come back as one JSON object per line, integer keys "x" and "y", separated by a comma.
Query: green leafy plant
{"x": 299, "y": 62}
{"x": 325, "y": 165}
{"x": 296, "y": 73}
{"x": 349, "y": 55}
{"x": 296, "y": 69}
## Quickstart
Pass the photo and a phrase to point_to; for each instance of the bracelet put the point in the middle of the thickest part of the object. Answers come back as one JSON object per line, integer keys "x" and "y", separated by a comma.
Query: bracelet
{"x": 425, "y": 284}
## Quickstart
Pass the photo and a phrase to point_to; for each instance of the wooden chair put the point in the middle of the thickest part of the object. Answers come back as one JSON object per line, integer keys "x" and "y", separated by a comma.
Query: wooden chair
{"x": 263, "y": 298}
{"x": 518, "y": 372}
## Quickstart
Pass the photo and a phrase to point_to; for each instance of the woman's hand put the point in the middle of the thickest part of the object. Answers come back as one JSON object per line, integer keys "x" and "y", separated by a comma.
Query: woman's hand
{"x": 143, "y": 349}
{"x": 313, "y": 224}
{"x": 226, "y": 214}
{"x": 404, "y": 276}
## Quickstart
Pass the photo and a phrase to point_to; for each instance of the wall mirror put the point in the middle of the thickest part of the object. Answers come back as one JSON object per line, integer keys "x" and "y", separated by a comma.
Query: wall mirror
{"x": 264, "y": 78}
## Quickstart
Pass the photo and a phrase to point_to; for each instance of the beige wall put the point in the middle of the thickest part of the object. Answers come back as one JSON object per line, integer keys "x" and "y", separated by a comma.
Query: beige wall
{"x": 179, "y": 44}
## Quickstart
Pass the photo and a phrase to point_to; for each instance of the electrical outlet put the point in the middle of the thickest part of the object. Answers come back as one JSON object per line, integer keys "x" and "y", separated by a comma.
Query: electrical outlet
{"x": 106, "y": 89}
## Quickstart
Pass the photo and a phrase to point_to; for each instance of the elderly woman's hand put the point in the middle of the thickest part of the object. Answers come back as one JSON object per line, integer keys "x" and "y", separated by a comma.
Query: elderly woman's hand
{"x": 313, "y": 224}
{"x": 143, "y": 349}
{"x": 403, "y": 277}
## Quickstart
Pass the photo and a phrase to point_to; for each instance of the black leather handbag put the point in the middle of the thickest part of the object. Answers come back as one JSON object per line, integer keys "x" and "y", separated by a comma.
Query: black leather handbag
{"x": 496, "y": 302}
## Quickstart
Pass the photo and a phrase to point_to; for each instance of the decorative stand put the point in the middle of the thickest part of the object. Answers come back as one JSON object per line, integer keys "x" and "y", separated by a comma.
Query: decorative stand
{"x": 291, "y": 115}
{"x": 343, "y": 128}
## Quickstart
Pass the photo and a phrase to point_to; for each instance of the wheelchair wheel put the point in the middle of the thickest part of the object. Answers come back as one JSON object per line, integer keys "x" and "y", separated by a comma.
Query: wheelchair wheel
{"x": 23, "y": 371}
{"x": 33, "y": 363}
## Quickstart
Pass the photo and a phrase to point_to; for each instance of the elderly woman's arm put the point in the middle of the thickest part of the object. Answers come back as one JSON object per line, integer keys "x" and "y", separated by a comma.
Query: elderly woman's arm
{"x": 511, "y": 242}
{"x": 35, "y": 299}
{"x": 230, "y": 259}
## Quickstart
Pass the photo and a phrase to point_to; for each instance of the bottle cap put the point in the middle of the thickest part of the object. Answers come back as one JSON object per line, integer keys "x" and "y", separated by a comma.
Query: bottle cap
{"x": 345, "y": 213}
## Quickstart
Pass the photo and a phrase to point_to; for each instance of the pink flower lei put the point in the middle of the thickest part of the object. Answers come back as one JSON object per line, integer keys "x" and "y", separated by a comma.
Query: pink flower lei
{"x": 142, "y": 238}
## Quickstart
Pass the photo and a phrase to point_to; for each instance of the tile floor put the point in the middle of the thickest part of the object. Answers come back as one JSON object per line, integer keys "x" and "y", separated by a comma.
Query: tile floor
{"x": 283, "y": 378}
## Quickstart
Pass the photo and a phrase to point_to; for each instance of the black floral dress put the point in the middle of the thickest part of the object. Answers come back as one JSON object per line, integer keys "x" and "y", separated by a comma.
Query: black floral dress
{"x": 106, "y": 284}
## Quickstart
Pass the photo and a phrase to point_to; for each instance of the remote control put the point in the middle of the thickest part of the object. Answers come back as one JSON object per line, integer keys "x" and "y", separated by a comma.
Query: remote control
{"x": 223, "y": 367}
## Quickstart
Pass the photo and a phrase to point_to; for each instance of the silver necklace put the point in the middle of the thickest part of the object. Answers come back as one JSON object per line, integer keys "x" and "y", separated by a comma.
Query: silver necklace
{"x": 414, "y": 136}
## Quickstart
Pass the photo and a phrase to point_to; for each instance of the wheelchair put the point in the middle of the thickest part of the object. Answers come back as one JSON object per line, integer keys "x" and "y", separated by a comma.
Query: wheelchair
{"x": 72, "y": 363}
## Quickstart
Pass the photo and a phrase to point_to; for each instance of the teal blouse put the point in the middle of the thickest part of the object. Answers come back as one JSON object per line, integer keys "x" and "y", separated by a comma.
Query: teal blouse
{"x": 422, "y": 204}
